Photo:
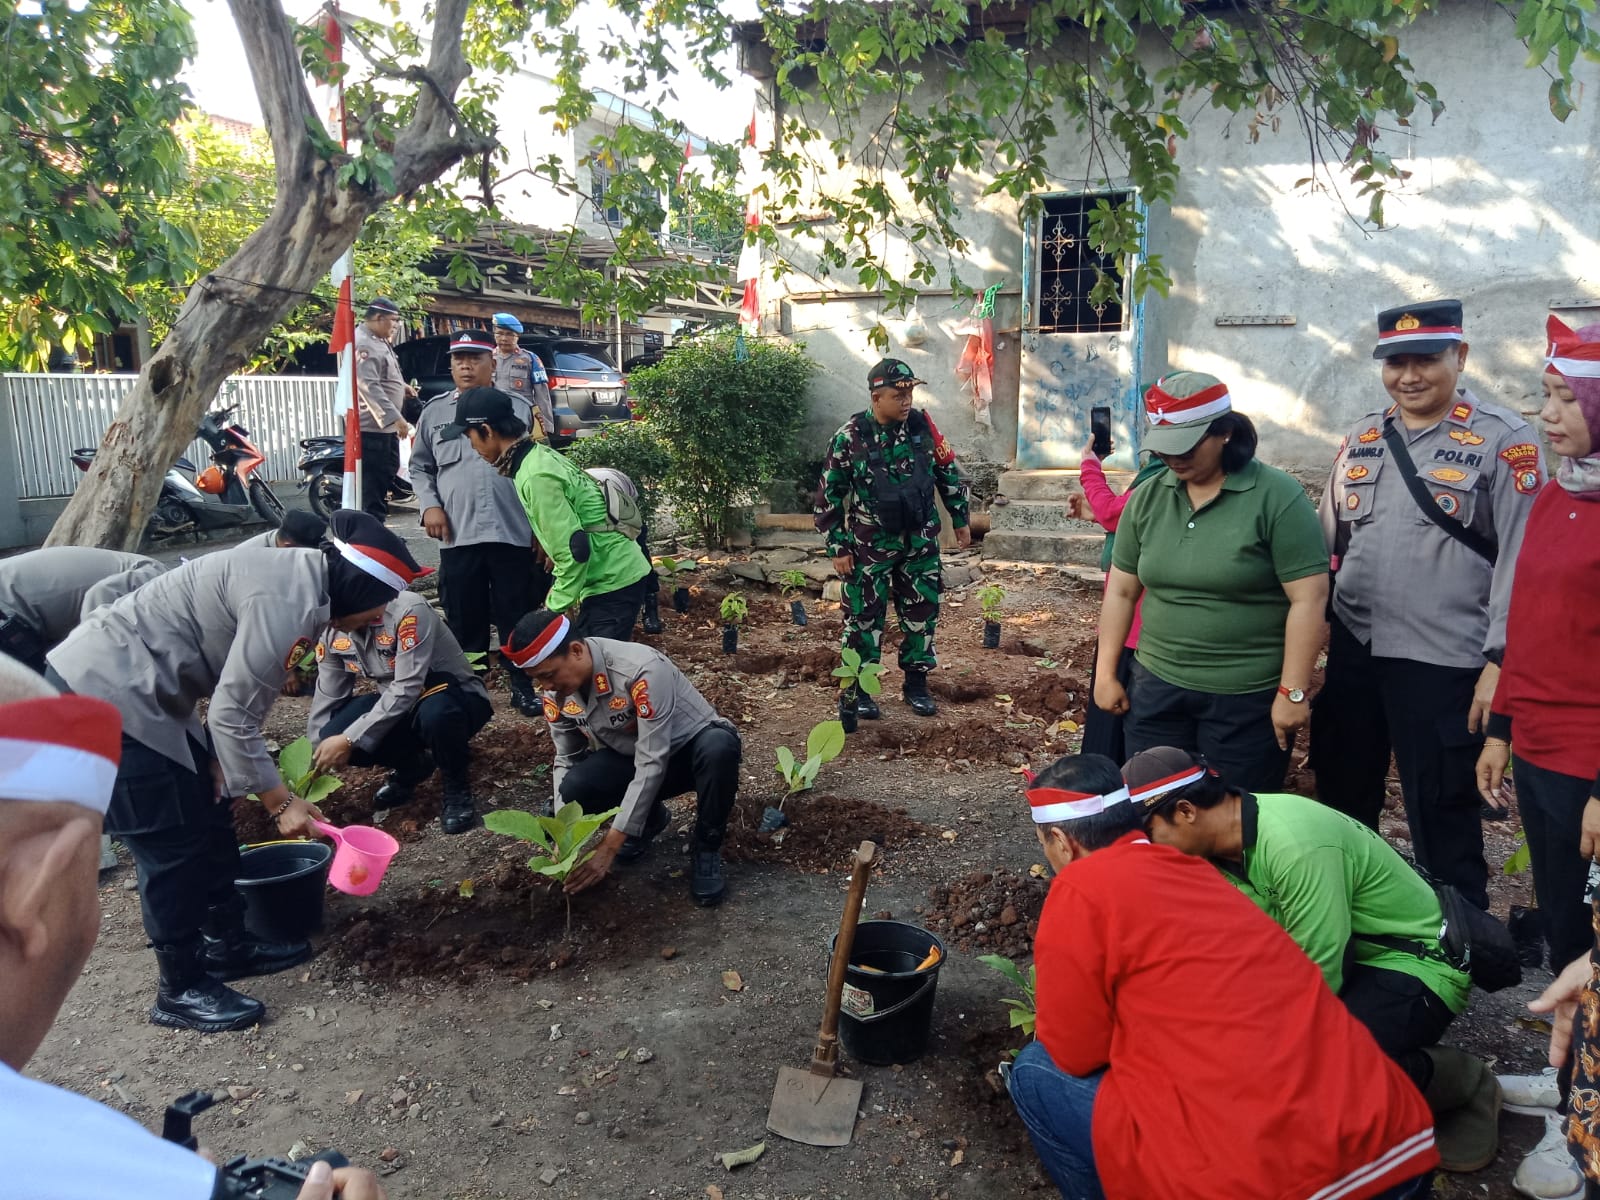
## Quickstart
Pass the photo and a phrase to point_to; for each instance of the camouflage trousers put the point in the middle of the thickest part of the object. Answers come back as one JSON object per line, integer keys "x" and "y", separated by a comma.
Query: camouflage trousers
{"x": 907, "y": 570}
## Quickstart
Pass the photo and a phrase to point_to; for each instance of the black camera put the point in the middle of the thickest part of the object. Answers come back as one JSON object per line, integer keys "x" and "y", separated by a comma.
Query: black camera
{"x": 242, "y": 1178}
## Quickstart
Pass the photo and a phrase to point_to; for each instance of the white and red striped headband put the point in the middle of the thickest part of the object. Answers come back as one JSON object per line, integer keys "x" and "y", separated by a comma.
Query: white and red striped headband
{"x": 1050, "y": 805}
{"x": 542, "y": 647}
{"x": 61, "y": 749}
{"x": 1165, "y": 409}
{"x": 1147, "y": 793}
{"x": 383, "y": 567}
{"x": 1568, "y": 355}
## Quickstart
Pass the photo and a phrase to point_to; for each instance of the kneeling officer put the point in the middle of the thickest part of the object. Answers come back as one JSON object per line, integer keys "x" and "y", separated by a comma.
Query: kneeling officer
{"x": 428, "y": 705}
{"x": 630, "y": 730}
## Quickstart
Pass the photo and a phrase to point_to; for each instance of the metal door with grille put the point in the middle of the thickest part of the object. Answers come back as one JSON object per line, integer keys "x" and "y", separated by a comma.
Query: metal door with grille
{"x": 1075, "y": 355}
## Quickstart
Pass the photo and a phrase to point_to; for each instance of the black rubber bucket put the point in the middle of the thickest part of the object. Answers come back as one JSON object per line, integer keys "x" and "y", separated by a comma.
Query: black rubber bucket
{"x": 896, "y": 1028}
{"x": 283, "y": 885}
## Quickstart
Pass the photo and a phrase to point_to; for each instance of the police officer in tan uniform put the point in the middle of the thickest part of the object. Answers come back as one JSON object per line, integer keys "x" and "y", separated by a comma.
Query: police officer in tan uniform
{"x": 381, "y": 390}
{"x": 45, "y": 593}
{"x": 1423, "y": 512}
{"x": 226, "y": 629}
{"x": 428, "y": 705}
{"x": 520, "y": 373}
{"x": 631, "y": 731}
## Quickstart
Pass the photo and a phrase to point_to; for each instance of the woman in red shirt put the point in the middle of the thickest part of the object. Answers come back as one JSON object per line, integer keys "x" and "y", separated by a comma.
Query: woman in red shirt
{"x": 1543, "y": 722}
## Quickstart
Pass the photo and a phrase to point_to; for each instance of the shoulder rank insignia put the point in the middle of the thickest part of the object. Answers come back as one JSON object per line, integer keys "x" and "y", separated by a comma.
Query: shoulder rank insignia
{"x": 1462, "y": 412}
{"x": 572, "y": 708}
{"x": 297, "y": 653}
{"x": 1466, "y": 437}
{"x": 602, "y": 685}
{"x": 1355, "y": 473}
{"x": 322, "y": 651}
{"x": 1369, "y": 436}
{"x": 406, "y": 632}
{"x": 1523, "y": 459}
{"x": 551, "y": 711}
{"x": 1448, "y": 474}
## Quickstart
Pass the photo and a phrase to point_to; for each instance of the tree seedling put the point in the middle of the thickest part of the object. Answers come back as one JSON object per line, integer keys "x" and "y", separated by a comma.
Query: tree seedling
{"x": 671, "y": 569}
{"x": 793, "y": 582}
{"x": 478, "y": 660}
{"x": 991, "y": 596}
{"x": 852, "y": 673}
{"x": 823, "y": 745}
{"x": 561, "y": 837}
{"x": 300, "y": 777}
{"x": 734, "y": 611}
{"x": 1023, "y": 1008}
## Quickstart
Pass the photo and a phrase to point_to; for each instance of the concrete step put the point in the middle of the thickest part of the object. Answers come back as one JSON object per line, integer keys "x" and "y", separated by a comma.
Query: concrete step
{"x": 1043, "y": 546}
{"x": 1049, "y": 515}
{"x": 1051, "y": 484}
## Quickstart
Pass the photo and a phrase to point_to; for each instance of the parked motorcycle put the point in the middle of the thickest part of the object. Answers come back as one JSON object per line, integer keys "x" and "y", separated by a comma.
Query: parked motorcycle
{"x": 226, "y": 493}
{"x": 322, "y": 468}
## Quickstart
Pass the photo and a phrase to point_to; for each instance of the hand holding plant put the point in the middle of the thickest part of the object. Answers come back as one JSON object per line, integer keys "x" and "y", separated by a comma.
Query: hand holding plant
{"x": 561, "y": 837}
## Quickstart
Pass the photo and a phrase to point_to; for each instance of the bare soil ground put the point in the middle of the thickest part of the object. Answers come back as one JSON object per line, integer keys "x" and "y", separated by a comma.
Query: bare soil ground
{"x": 452, "y": 1034}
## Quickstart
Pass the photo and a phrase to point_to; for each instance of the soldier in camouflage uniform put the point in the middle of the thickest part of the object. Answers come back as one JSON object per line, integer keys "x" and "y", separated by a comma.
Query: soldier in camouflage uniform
{"x": 875, "y": 507}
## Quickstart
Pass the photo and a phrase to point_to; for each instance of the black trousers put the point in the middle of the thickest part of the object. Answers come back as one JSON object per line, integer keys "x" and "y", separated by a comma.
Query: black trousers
{"x": 490, "y": 583}
{"x": 181, "y": 838}
{"x": 1552, "y": 806}
{"x": 708, "y": 766}
{"x": 1233, "y": 732}
{"x": 442, "y": 724}
{"x": 652, "y": 581}
{"x": 1103, "y": 731}
{"x": 612, "y": 614}
{"x": 1369, "y": 706}
{"x": 1401, "y": 1012}
{"x": 380, "y": 463}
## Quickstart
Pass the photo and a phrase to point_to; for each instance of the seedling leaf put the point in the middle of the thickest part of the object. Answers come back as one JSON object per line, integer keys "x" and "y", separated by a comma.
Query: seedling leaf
{"x": 826, "y": 741}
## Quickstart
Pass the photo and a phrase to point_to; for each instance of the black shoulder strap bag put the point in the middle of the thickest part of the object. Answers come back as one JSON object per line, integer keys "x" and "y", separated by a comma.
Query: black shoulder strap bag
{"x": 1470, "y": 538}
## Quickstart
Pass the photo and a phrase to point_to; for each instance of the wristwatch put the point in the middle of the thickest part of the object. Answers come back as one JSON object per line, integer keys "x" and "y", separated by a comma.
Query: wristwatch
{"x": 1296, "y": 695}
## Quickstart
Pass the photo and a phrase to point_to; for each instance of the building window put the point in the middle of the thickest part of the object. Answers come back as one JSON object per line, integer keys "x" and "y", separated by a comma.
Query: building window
{"x": 599, "y": 183}
{"x": 1067, "y": 265}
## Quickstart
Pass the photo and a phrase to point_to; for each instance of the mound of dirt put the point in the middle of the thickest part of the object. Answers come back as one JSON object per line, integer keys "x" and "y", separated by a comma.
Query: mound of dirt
{"x": 969, "y": 741}
{"x": 821, "y": 834}
{"x": 987, "y": 912}
{"x": 1052, "y": 695}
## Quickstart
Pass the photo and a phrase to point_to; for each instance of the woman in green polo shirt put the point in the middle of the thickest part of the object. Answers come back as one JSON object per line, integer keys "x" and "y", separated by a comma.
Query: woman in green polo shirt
{"x": 1230, "y": 560}
{"x": 1358, "y": 910}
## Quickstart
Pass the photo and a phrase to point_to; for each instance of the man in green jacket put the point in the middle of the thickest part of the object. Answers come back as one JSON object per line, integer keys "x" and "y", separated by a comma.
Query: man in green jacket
{"x": 599, "y": 569}
{"x": 1358, "y": 910}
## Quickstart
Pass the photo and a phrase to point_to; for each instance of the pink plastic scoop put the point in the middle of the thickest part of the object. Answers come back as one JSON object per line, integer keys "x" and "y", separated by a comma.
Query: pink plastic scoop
{"x": 361, "y": 856}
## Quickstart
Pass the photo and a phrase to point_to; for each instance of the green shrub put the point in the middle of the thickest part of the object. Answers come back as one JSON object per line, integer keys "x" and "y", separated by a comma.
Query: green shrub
{"x": 731, "y": 422}
{"x": 635, "y": 449}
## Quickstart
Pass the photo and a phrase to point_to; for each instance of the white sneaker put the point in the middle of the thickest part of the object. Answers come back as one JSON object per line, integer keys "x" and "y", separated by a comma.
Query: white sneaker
{"x": 1531, "y": 1095}
{"x": 1549, "y": 1172}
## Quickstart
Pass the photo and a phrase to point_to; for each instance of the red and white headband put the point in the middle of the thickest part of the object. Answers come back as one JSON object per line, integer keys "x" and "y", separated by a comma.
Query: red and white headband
{"x": 1162, "y": 408}
{"x": 1147, "y": 793}
{"x": 1568, "y": 355}
{"x": 385, "y": 568}
{"x": 61, "y": 749}
{"x": 1050, "y": 805}
{"x": 542, "y": 647}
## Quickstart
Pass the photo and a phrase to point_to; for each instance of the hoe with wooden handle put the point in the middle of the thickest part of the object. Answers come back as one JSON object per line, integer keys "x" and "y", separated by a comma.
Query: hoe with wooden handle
{"x": 814, "y": 1105}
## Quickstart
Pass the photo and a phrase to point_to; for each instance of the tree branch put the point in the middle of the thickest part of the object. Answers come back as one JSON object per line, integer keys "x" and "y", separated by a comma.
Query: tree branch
{"x": 436, "y": 137}
{"x": 269, "y": 45}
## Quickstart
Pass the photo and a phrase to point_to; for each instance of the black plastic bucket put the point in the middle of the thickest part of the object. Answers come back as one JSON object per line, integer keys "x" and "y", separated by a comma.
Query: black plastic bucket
{"x": 901, "y": 997}
{"x": 283, "y": 885}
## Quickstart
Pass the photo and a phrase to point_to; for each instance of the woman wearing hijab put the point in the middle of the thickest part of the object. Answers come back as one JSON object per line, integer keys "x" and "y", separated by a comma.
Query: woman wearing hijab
{"x": 226, "y": 628}
{"x": 1543, "y": 723}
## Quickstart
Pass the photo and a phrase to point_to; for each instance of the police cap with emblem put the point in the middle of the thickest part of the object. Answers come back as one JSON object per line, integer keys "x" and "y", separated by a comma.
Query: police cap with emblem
{"x": 472, "y": 341}
{"x": 891, "y": 372}
{"x": 1419, "y": 328}
{"x": 383, "y": 308}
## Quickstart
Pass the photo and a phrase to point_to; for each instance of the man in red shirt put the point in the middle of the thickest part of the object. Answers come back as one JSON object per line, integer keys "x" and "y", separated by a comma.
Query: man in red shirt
{"x": 1186, "y": 1046}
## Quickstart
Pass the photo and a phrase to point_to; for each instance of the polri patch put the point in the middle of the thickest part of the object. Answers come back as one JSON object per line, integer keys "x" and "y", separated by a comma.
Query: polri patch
{"x": 297, "y": 653}
{"x": 640, "y": 694}
{"x": 551, "y": 711}
{"x": 1523, "y": 459}
{"x": 406, "y": 632}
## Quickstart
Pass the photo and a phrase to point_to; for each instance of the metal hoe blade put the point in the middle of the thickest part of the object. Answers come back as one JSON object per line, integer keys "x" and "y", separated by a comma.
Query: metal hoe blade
{"x": 819, "y": 1110}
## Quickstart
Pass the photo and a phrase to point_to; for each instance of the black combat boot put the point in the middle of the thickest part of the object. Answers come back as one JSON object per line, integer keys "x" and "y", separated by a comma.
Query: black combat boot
{"x": 915, "y": 692}
{"x": 459, "y": 813}
{"x": 400, "y": 788}
{"x": 188, "y": 998}
{"x": 230, "y": 951}
{"x": 867, "y": 707}
{"x": 633, "y": 848}
{"x": 706, "y": 884}
{"x": 524, "y": 696}
{"x": 652, "y": 613}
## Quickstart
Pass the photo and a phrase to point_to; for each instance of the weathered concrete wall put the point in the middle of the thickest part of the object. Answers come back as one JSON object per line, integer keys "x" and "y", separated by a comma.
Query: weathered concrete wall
{"x": 1502, "y": 210}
